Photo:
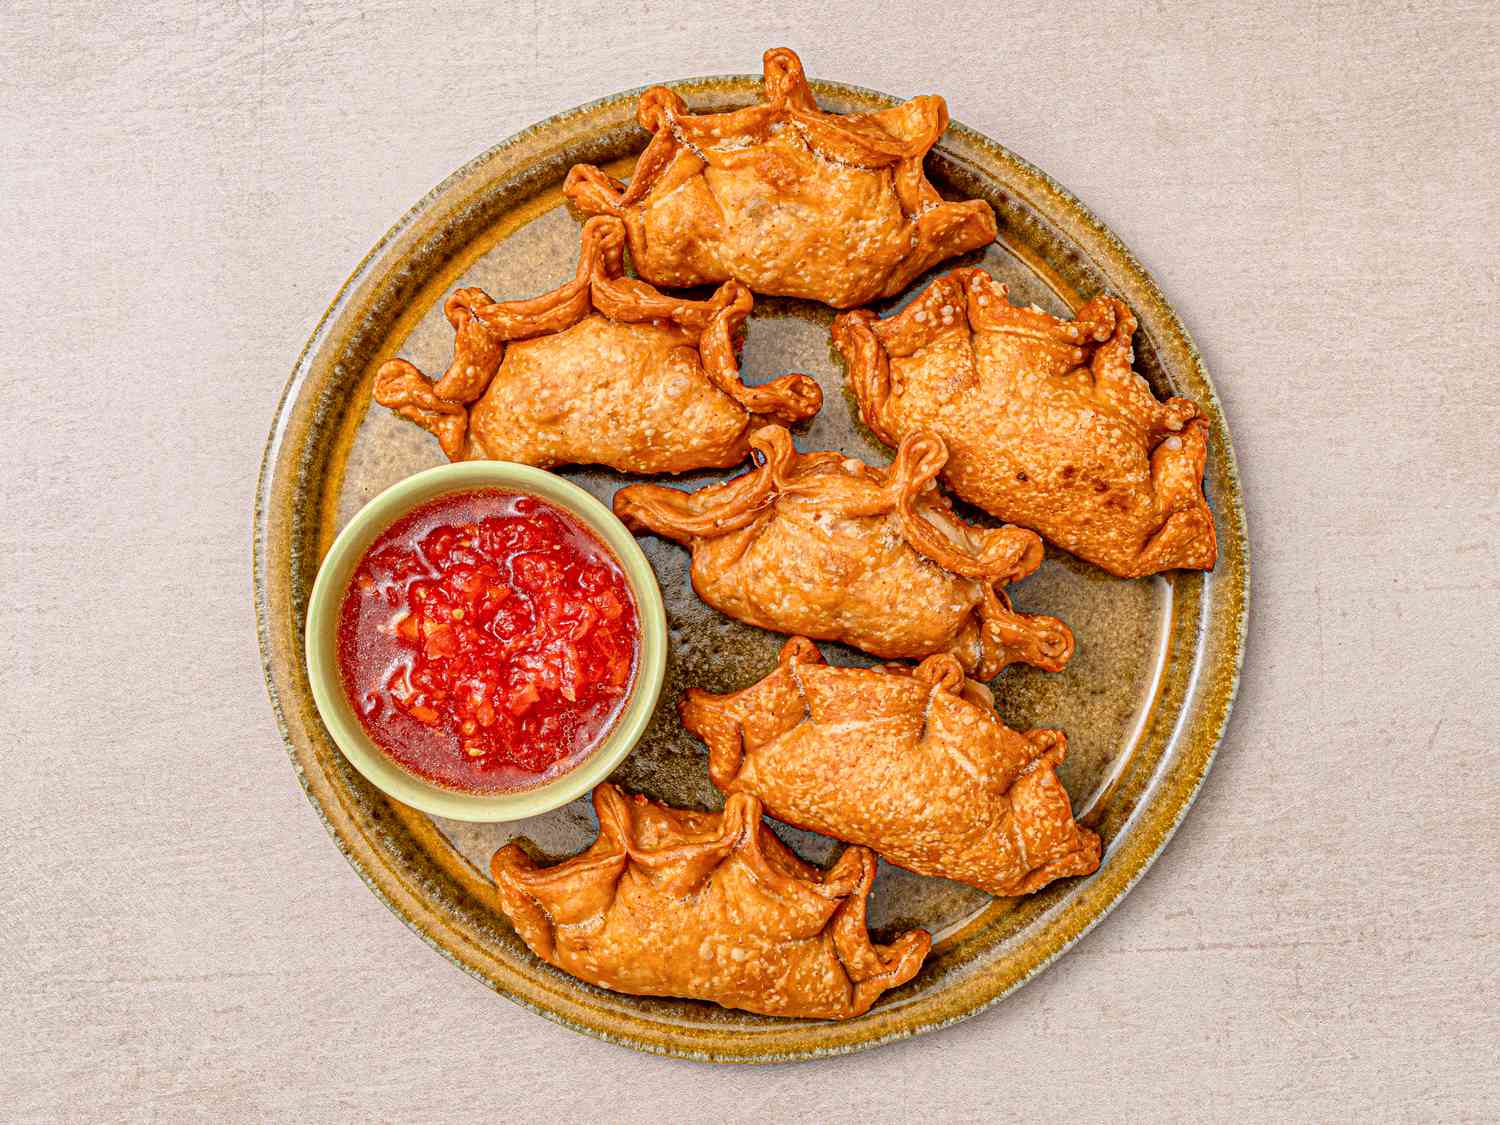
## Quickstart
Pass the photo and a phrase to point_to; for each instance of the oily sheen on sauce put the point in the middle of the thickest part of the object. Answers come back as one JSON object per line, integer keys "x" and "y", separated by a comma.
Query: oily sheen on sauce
{"x": 488, "y": 641}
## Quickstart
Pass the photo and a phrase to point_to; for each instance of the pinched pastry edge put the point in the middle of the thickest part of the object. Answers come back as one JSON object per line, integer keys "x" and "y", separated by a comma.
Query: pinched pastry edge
{"x": 684, "y": 144}
{"x": 705, "y": 919}
{"x": 992, "y": 814}
{"x": 991, "y": 557}
{"x": 483, "y": 328}
{"x": 1083, "y": 516}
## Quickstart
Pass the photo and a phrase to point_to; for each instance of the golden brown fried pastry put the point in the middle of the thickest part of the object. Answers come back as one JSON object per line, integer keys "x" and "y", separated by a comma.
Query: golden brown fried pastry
{"x": 1046, "y": 422}
{"x": 784, "y": 197}
{"x": 826, "y": 546}
{"x": 708, "y": 906}
{"x": 604, "y": 370}
{"x": 913, "y": 763}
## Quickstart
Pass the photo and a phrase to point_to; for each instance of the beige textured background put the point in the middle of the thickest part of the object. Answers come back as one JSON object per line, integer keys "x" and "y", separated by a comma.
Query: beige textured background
{"x": 184, "y": 186}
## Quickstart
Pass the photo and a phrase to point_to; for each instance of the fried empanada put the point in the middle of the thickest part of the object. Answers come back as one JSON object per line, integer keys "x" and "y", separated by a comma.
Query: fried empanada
{"x": 788, "y": 199}
{"x": 707, "y": 906}
{"x": 913, "y": 763}
{"x": 824, "y": 545}
{"x": 604, "y": 370}
{"x": 1047, "y": 424}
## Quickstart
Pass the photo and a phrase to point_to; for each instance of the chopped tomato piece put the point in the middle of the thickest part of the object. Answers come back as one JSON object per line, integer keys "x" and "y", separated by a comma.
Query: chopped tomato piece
{"x": 500, "y": 631}
{"x": 521, "y": 700}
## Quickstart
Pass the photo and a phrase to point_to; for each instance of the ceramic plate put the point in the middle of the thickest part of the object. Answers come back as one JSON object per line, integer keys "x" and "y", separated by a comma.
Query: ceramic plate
{"x": 1144, "y": 701}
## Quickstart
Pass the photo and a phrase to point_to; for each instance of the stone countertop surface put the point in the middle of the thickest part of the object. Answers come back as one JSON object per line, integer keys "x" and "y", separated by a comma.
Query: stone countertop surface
{"x": 184, "y": 187}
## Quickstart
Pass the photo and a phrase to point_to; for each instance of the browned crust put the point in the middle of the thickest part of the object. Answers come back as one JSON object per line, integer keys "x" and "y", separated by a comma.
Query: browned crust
{"x": 679, "y": 851}
{"x": 483, "y": 327}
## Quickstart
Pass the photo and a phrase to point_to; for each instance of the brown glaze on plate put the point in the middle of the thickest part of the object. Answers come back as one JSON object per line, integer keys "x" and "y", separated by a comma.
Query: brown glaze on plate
{"x": 1144, "y": 701}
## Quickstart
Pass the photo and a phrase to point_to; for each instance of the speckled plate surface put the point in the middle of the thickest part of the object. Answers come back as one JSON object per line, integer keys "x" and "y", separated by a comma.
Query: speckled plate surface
{"x": 1144, "y": 701}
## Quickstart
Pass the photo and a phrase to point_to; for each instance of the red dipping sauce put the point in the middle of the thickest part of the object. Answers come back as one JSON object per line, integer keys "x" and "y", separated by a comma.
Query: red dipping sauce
{"x": 488, "y": 641}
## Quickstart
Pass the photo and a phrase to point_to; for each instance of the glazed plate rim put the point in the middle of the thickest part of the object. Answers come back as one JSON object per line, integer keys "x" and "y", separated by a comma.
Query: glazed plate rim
{"x": 1165, "y": 807}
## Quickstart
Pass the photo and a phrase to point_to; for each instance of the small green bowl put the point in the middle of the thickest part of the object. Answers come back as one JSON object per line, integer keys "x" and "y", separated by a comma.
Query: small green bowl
{"x": 322, "y": 642}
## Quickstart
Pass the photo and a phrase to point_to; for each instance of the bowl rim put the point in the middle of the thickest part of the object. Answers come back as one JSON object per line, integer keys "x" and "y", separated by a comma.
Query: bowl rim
{"x": 337, "y": 713}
